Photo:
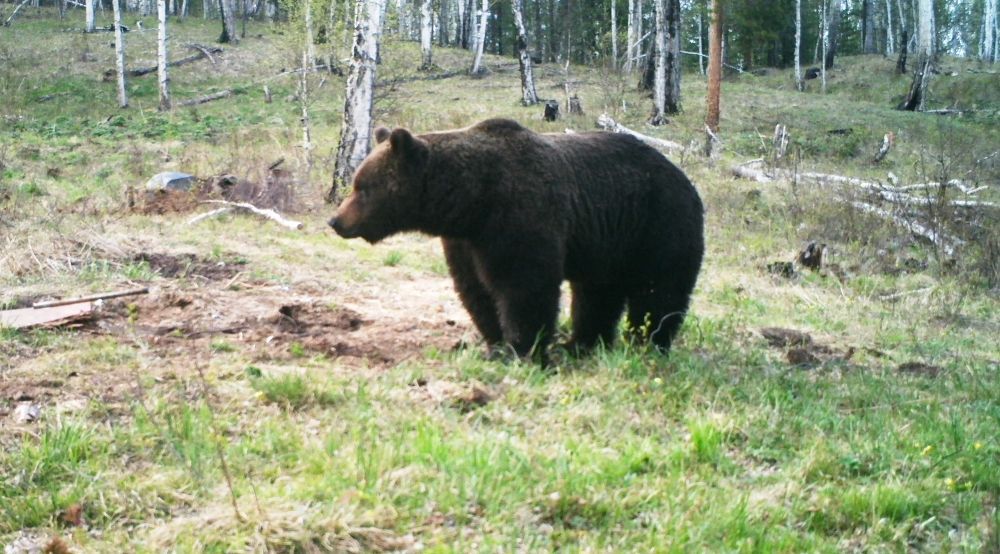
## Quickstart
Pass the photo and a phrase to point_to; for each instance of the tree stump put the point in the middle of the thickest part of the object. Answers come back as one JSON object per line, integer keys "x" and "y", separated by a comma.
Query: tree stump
{"x": 575, "y": 108}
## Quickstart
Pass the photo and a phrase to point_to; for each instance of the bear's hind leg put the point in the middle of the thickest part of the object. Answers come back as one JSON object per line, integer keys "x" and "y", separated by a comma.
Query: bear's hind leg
{"x": 595, "y": 312}
{"x": 656, "y": 313}
{"x": 471, "y": 291}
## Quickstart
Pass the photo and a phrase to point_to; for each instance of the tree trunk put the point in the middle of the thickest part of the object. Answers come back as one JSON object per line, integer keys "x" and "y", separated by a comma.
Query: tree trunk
{"x": 987, "y": 48}
{"x": 426, "y": 28}
{"x": 309, "y": 52}
{"x": 701, "y": 49}
{"x": 916, "y": 98}
{"x": 867, "y": 27}
{"x": 89, "y": 23}
{"x": 460, "y": 37}
{"x": 890, "y": 46}
{"x": 714, "y": 66}
{"x": 825, "y": 33}
{"x": 799, "y": 83}
{"x": 833, "y": 32}
{"x": 356, "y": 129}
{"x": 659, "y": 116}
{"x": 227, "y": 10}
{"x": 528, "y": 95}
{"x": 673, "y": 59}
{"x": 614, "y": 34}
{"x": 481, "y": 38}
{"x": 161, "y": 55}
{"x": 901, "y": 62}
{"x": 630, "y": 37}
{"x": 120, "y": 54}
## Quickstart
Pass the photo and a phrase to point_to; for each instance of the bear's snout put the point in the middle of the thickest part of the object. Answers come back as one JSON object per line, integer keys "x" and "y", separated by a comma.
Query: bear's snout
{"x": 338, "y": 226}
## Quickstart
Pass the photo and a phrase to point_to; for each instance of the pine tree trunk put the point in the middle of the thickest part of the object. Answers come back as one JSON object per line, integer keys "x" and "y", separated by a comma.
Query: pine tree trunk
{"x": 356, "y": 130}
{"x": 89, "y": 24}
{"x": 528, "y": 95}
{"x": 426, "y": 28}
{"x": 799, "y": 83}
{"x": 161, "y": 55}
{"x": 120, "y": 54}
{"x": 868, "y": 27}
{"x": 477, "y": 63}
{"x": 227, "y": 10}
{"x": 659, "y": 116}
{"x": 672, "y": 87}
{"x": 714, "y": 66}
{"x": 614, "y": 34}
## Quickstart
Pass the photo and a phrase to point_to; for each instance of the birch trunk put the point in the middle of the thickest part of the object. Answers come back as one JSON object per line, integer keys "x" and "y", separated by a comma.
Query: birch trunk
{"x": 890, "y": 46}
{"x": 987, "y": 48}
{"x": 308, "y": 64}
{"x": 614, "y": 34}
{"x": 161, "y": 55}
{"x": 356, "y": 130}
{"x": 714, "y": 66}
{"x": 528, "y": 95}
{"x": 701, "y": 50}
{"x": 630, "y": 36}
{"x": 120, "y": 54}
{"x": 481, "y": 38}
{"x": 309, "y": 52}
{"x": 916, "y": 99}
{"x": 460, "y": 39}
{"x": 89, "y": 23}
{"x": 825, "y": 34}
{"x": 426, "y": 30}
{"x": 799, "y": 83}
{"x": 660, "y": 69}
{"x": 227, "y": 11}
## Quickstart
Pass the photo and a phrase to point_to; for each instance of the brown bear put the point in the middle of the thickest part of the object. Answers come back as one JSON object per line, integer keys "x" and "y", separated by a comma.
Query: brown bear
{"x": 519, "y": 212}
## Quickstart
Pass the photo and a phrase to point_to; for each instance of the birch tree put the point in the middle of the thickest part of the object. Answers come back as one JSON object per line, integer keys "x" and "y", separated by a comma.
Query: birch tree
{"x": 227, "y": 11}
{"x": 120, "y": 54}
{"x": 799, "y": 83}
{"x": 825, "y": 37}
{"x": 630, "y": 35}
{"x": 917, "y": 97}
{"x": 672, "y": 87}
{"x": 714, "y": 66}
{"x": 426, "y": 29}
{"x": 890, "y": 46}
{"x": 660, "y": 69}
{"x": 309, "y": 50}
{"x": 988, "y": 44}
{"x": 481, "y": 38}
{"x": 614, "y": 34}
{"x": 161, "y": 55}
{"x": 356, "y": 129}
{"x": 528, "y": 95}
{"x": 89, "y": 25}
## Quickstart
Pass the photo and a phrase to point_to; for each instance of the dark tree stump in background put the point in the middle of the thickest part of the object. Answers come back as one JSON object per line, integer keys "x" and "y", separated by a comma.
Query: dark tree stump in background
{"x": 575, "y": 108}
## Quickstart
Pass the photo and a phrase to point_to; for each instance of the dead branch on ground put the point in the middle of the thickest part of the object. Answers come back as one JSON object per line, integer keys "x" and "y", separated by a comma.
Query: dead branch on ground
{"x": 607, "y": 123}
{"x": 230, "y": 206}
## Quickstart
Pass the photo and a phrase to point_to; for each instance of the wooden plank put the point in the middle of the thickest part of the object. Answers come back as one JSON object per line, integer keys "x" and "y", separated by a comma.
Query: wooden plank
{"x": 32, "y": 317}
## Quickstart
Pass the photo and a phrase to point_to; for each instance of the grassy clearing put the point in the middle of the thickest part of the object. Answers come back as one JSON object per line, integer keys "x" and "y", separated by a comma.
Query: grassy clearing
{"x": 726, "y": 445}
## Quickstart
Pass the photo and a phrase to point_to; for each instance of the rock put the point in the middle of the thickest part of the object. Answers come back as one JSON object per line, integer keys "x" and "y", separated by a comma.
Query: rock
{"x": 778, "y": 336}
{"x": 27, "y": 412}
{"x": 170, "y": 180}
{"x": 920, "y": 369}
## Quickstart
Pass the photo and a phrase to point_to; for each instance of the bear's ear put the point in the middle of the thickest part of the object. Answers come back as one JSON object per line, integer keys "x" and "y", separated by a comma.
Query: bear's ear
{"x": 404, "y": 143}
{"x": 381, "y": 133}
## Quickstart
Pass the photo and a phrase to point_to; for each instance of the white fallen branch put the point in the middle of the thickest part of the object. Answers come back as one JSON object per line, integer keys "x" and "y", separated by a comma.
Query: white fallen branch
{"x": 945, "y": 243}
{"x": 607, "y": 123}
{"x": 264, "y": 212}
{"x": 747, "y": 171}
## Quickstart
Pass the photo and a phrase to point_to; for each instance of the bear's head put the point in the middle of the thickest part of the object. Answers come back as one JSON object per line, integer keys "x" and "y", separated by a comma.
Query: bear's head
{"x": 387, "y": 188}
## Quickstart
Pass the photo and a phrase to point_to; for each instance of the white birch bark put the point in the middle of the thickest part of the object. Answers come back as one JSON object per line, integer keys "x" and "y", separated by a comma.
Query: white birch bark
{"x": 660, "y": 72}
{"x": 614, "y": 34}
{"x": 890, "y": 45}
{"x": 630, "y": 35}
{"x": 161, "y": 55}
{"x": 309, "y": 53}
{"x": 120, "y": 54}
{"x": 307, "y": 64}
{"x": 826, "y": 44}
{"x": 528, "y": 95}
{"x": 477, "y": 63}
{"x": 426, "y": 30}
{"x": 799, "y": 83}
{"x": 701, "y": 52}
{"x": 461, "y": 22}
{"x": 925, "y": 34}
{"x": 89, "y": 11}
{"x": 227, "y": 9}
{"x": 400, "y": 30}
{"x": 356, "y": 129}
{"x": 987, "y": 48}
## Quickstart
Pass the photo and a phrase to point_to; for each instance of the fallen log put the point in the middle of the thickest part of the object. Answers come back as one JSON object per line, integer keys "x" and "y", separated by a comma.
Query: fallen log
{"x": 203, "y": 52}
{"x": 748, "y": 172}
{"x": 607, "y": 123}
{"x": 946, "y": 243}
{"x": 90, "y": 298}
{"x": 14, "y": 13}
{"x": 228, "y": 206}
{"x": 207, "y": 98}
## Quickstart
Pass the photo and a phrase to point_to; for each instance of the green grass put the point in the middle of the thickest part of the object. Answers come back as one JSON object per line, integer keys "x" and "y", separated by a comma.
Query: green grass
{"x": 722, "y": 446}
